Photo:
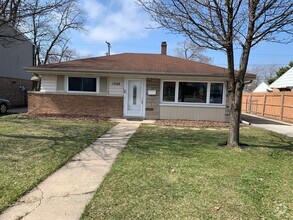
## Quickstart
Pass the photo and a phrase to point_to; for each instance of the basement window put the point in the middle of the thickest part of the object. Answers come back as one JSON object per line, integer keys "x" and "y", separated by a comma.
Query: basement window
{"x": 81, "y": 84}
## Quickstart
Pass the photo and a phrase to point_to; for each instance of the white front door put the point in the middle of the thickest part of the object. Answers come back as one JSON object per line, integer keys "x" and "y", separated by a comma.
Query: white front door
{"x": 134, "y": 98}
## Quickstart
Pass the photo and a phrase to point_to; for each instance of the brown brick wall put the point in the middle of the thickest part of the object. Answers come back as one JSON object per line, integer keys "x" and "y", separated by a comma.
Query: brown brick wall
{"x": 9, "y": 89}
{"x": 153, "y": 102}
{"x": 67, "y": 104}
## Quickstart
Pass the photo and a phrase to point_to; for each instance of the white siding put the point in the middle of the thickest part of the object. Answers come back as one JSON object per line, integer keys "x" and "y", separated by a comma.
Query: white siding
{"x": 48, "y": 83}
{"x": 103, "y": 84}
{"x": 193, "y": 113}
{"x": 115, "y": 86}
{"x": 60, "y": 83}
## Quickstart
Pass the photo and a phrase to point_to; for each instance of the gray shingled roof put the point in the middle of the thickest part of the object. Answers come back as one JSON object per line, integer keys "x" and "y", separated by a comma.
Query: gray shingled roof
{"x": 140, "y": 63}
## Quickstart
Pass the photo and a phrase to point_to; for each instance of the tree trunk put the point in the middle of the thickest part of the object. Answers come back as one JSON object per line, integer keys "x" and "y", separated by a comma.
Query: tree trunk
{"x": 235, "y": 99}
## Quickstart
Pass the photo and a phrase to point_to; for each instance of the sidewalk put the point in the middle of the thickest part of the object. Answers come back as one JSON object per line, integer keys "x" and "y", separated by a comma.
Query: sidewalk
{"x": 271, "y": 125}
{"x": 65, "y": 193}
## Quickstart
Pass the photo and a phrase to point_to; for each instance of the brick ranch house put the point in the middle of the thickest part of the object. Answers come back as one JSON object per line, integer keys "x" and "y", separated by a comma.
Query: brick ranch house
{"x": 150, "y": 86}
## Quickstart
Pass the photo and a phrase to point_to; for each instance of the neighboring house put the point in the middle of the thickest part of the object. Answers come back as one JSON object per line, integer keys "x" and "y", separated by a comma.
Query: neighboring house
{"x": 284, "y": 82}
{"x": 150, "y": 86}
{"x": 14, "y": 55}
{"x": 263, "y": 87}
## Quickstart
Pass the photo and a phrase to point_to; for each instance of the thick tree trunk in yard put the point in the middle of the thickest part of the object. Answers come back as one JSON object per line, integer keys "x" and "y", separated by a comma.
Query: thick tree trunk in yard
{"x": 235, "y": 89}
{"x": 234, "y": 118}
{"x": 235, "y": 98}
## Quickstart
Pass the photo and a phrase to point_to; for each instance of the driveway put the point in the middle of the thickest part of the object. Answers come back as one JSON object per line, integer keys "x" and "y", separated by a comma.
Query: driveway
{"x": 17, "y": 110}
{"x": 271, "y": 125}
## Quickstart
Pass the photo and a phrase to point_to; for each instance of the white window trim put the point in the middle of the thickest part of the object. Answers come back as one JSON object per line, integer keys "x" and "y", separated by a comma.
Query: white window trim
{"x": 83, "y": 92}
{"x": 190, "y": 104}
{"x": 200, "y": 105}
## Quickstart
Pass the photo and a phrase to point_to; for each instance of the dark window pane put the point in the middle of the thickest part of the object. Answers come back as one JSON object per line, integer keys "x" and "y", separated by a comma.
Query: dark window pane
{"x": 82, "y": 84}
{"x": 74, "y": 84}
{"x": 169, "y": 91}
{"x": 89, "y": 84}
{"x": 134, "y": 95}
{"x": 192, "y": 92}
{"x": 216, "y": 95}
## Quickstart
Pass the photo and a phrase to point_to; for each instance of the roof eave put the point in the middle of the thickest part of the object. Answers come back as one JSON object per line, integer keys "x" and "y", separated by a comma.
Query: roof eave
{"x": 117, "y": 72}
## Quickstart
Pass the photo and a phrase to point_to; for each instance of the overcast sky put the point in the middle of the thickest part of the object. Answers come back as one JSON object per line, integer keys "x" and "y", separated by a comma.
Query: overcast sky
{"x": 125, "y": 26}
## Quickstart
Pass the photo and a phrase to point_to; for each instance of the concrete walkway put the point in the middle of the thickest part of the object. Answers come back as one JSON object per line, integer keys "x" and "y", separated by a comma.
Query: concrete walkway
{"x": 268, "y": 124}
{"x": 64, "y": 194}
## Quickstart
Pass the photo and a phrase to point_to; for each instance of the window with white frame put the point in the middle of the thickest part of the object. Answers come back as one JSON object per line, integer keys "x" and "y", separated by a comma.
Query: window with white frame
{"x": 195, "y": 92}
{"x": 192, "y": 92}
{"x": 216, "y": 93}
{"x": 82, "y": 84}
{"x": 169, "y": 91}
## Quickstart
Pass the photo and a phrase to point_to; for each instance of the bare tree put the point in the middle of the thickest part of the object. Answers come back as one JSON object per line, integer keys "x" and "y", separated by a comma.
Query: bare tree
{"x": 263, "y": 74}
{"x": 13, "y": 12}
{"x": 50, "y": 31}
{"x": 188, "y": 50}
{"x": 8, "y": 16}
{"x": 62, "y": 53}
{"x": 280, "y": 72}
{"x": 224, "y": 25}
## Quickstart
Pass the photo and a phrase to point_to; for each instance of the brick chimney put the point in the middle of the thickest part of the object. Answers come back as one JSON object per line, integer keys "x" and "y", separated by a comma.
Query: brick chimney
{"x": 164, "y": 48}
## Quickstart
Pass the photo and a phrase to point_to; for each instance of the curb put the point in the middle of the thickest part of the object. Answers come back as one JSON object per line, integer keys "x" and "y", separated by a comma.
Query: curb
{"x": 245, "y": 122}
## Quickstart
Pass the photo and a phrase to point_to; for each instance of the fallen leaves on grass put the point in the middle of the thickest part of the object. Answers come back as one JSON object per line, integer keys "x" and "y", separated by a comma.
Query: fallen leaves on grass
{"x": 189, "y": 123}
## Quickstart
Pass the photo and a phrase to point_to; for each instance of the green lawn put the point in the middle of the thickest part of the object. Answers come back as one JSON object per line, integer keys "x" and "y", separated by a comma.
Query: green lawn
{"x": 184, "y": 174}
{"x": 31, "y": 149}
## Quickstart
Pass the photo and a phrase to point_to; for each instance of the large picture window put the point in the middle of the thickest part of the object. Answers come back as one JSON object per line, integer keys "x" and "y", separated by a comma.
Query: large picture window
{"x": 80, "y": 84}
{"x": 193, "y": 92}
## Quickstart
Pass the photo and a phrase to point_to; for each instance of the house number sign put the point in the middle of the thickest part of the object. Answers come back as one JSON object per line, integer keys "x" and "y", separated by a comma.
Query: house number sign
{"x": 115, "y": 83}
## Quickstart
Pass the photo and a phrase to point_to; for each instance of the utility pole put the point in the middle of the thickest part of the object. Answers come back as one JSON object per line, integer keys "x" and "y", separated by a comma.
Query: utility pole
{"x": 109, "y": 46}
